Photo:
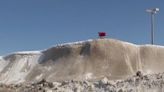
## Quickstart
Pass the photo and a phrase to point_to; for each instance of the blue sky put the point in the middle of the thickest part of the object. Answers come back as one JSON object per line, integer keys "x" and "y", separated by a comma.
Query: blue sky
{"x": 40, "y": 24}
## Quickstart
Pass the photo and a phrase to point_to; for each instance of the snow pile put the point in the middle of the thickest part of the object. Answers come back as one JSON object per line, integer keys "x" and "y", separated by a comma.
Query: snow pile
{"x": 83, "y": 60}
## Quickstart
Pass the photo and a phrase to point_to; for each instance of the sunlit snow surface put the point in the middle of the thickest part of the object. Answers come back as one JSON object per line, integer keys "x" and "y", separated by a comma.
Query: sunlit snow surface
{"x": 74, "y": 43}
{"x": 1, "y": 57}
{"x": 28, "y": 52}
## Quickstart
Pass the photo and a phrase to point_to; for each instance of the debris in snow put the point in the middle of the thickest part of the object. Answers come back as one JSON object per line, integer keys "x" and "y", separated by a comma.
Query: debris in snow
{"x": 149, "y": 83}
{"x": 139, "y": 74}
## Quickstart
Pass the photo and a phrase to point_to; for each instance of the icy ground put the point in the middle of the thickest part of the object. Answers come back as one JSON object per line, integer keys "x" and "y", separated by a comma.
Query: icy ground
{"x": 141, "y": 83}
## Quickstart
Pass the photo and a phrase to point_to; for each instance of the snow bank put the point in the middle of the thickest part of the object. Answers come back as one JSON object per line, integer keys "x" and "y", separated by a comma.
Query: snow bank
{"x": 91, "y": 59}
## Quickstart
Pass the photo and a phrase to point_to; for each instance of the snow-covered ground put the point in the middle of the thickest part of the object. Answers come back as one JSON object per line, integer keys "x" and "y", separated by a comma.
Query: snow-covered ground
{"x": 144, "y": 83}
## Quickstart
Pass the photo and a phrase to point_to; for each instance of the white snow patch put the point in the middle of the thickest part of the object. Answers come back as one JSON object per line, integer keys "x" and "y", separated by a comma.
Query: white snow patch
{"x": 3, "y": 63}
{"x": 28, "y": 52}
{"x": 48, "y": 68}
{"x": 70, "y": 43}
{"x": 75, "y": 43}
{"x": 49, "y": 90}
{"x": 18, "y": 71}
{"x": 88, "y": 76}
{"x": 39, "y": 76}
{"x": 148, "y": 72}
{"x": 149, "y": 45}
{"x": 123, "y": 42}
{"x": 19, "y": 76}
{"x": 1, "y": 57}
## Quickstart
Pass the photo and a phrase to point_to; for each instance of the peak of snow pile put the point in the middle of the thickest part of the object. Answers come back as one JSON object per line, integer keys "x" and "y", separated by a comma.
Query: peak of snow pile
{"x": 83, "y": 42}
